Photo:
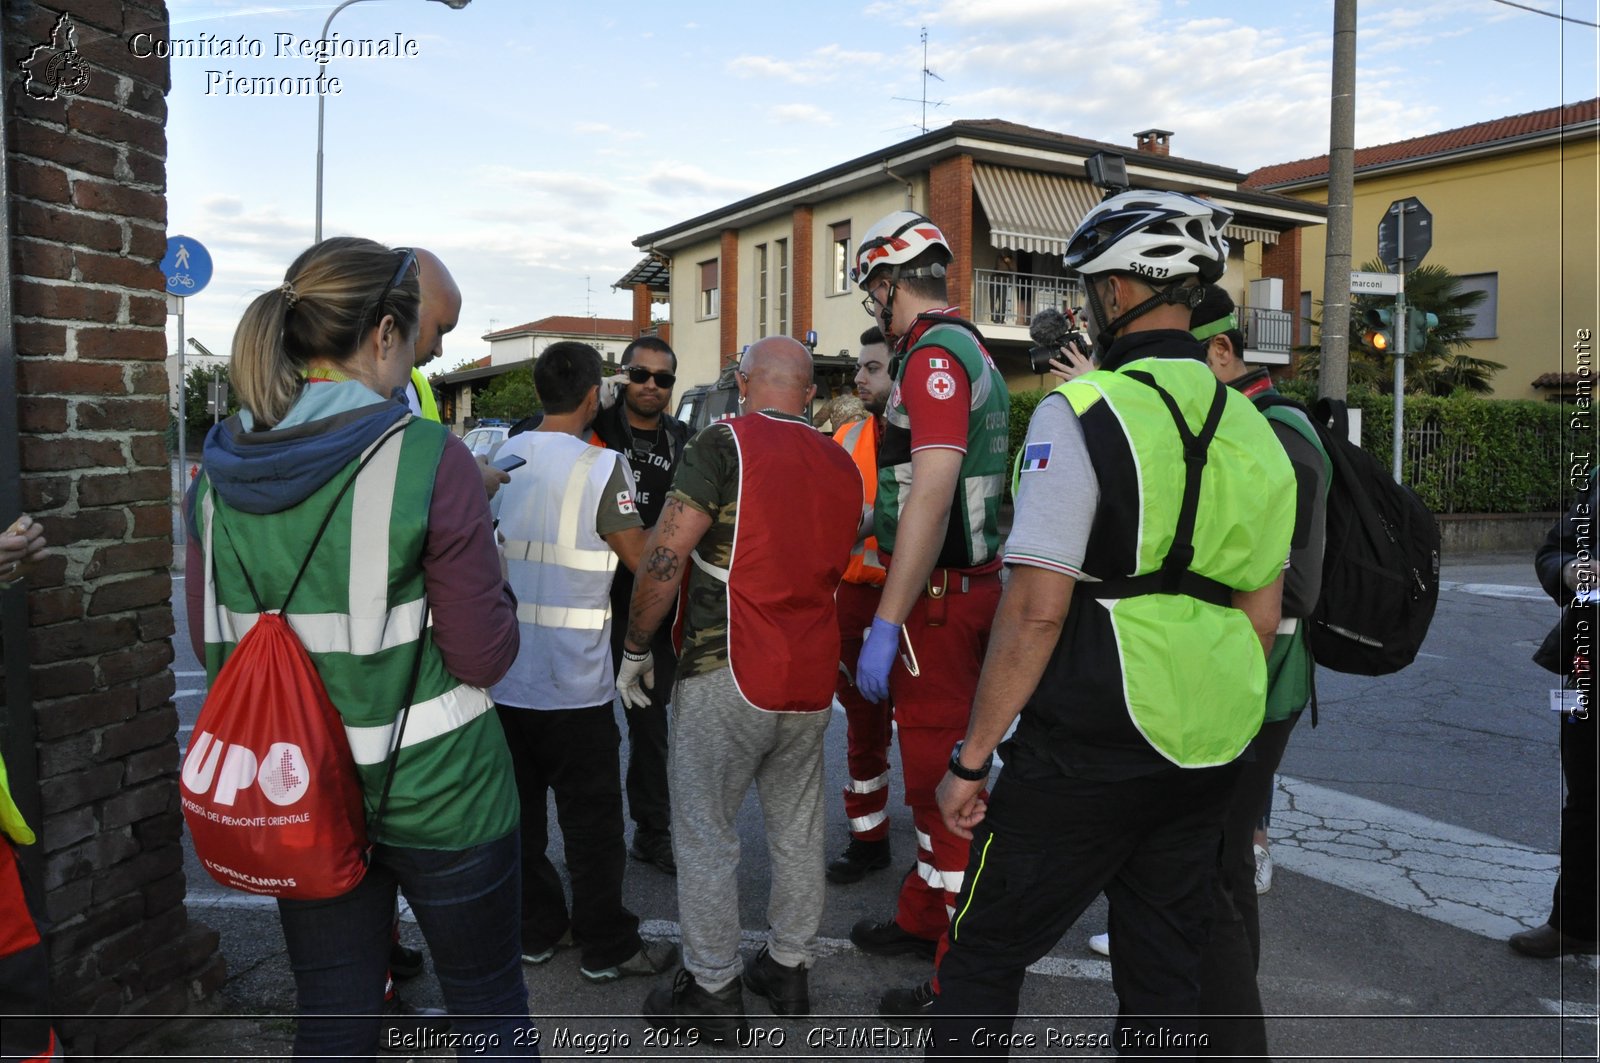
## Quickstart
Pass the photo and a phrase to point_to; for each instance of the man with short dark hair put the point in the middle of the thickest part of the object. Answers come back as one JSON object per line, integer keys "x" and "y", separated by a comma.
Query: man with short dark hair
{"x": 640, "y": 428}
{"x": 870, "y": 723}
{"x": 567, "y": 516}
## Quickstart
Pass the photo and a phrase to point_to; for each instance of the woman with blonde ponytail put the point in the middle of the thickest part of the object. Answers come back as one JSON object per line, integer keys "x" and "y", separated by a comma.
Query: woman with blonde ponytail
{"x": 401, "y": 602}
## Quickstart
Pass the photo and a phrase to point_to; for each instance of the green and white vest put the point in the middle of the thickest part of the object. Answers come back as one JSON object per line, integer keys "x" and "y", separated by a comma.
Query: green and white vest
{"x": 359, "y": 610}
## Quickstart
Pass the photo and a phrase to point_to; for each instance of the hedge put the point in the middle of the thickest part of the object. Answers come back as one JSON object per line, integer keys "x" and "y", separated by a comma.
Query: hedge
{"x": 1463, "y": 454}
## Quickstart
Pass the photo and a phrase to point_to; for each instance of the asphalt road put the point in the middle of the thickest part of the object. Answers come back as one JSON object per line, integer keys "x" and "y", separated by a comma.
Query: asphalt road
{"x": 1415, "y": 828}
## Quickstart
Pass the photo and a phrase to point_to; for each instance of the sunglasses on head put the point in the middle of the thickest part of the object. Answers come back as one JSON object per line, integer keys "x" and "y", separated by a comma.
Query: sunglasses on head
{"x": 638, "y": 374}
{"x": 408, "y": 258}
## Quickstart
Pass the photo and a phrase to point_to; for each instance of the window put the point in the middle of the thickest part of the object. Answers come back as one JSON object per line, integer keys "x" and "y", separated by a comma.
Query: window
{"x": 710, "y": 304}
{"x": 783, "y": 287}
{"x": 841, "y": 257}
{"x": 761, "y": 290}
{"x": 1485, "y": 323}
{"x": 1305, "y": 319}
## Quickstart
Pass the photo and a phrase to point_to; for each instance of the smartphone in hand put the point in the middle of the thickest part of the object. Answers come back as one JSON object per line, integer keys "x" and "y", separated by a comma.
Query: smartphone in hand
{"x": 509, "y": 462}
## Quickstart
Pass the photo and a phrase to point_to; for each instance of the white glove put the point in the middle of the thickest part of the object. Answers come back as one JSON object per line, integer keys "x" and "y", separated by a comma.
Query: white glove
{"x": 610, "y": 388}
{"x": 636, "y": 668}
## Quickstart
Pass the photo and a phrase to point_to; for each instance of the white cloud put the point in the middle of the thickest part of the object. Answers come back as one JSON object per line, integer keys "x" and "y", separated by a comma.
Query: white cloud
{"x": 828, "y": 63}
{"x": 803, "y": 113}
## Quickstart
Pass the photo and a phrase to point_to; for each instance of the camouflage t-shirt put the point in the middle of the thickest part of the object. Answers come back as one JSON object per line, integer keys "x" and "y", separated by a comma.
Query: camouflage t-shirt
{"x": 708, "y": 479}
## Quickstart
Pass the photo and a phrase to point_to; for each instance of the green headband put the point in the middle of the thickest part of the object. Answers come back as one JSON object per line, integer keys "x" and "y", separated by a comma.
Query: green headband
{"x": 1217, "y": 327}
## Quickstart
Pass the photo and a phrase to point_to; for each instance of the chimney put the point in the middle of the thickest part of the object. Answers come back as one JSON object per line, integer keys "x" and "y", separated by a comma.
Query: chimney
{"x": 1153, "y": 141}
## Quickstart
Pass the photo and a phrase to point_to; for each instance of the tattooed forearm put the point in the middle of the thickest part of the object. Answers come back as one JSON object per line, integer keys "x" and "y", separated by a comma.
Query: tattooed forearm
{"x": 662, "y": 564}
{"x": 639, "y": 637}
{"x": 669, "y": 517}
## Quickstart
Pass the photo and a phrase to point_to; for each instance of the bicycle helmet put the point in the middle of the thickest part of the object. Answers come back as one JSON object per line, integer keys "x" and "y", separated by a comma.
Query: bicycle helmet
{"x": 1159, "y": 237}
{"x": 896, "y": 240}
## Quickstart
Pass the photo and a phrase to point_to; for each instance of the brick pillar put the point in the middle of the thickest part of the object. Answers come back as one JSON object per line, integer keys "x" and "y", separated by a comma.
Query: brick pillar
{"x": 641, "y": 309}
{"x": 1282, "y": 259}
{"x": 801, "y": 276}
{"x": 728, "y": 321}
{"x": 88, "y": 179}
{"x": 950, "y": 207}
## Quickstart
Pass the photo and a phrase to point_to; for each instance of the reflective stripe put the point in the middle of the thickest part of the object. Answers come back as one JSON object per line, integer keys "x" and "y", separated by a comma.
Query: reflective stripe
{"x": 976, "y": 489}
{"x": 924, "y": 842}
{"x": 563, "y": 616}
{"x": 427, "y": 719}
{"x": 714, "y": 571}
{"x": 983, "y": 858}
{"x": 862, "y": 824}
{"x": 371, "y": 511}
{"x": 1288, "y": 625}
{"x": 572, "y": 500}
{"x": 940, "y": 880}
{"x": 330, "y": 632}
{"x": 573, "y": 557}
{"x": 208, "y": 526}
{"x": 868, "y": 786}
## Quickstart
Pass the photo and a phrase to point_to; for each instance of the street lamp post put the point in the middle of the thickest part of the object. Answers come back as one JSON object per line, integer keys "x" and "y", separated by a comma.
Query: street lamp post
{"x": 322, "y": 99}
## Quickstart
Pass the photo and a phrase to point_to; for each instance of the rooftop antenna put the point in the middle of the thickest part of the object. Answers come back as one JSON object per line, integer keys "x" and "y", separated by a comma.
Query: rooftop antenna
{"x": 926, "y": 74}
{"x": 588, "y": 290}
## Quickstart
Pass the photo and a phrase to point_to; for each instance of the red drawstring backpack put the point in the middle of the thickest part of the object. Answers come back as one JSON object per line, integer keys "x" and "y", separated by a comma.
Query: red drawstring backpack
{"x": 270, "y": 790}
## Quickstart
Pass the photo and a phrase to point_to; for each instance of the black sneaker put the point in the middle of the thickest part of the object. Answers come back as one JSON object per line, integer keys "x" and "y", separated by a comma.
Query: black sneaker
{"x": 785, "y": 988}
{"x": 653, "y": 847}
{"x": 913, "y": 1003}
{"x": 858, "y": 858}
{"x": 407, "y": 1029}
{"x": 888, "y": 939}
{"x": 403, "y": 962}
{"x": 718, "y": 1017}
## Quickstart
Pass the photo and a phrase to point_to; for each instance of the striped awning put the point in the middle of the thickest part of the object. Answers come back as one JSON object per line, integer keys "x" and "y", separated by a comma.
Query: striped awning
{"x": 1031, "y": 211}
{"x": 1248, "y": 233}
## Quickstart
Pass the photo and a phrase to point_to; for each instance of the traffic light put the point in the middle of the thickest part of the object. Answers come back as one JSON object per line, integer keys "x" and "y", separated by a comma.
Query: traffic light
{"x": 1378, "y": 333}
{"x": 1418, "y": 324}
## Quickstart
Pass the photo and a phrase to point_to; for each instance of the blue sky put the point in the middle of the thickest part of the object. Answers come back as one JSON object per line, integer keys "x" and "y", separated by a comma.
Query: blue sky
{"x": 529, "y": 143}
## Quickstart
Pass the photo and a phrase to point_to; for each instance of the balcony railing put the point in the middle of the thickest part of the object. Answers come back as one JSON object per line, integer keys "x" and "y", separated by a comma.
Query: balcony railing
{"x": 1271, "y": 331}
{"x": 1001, "y": 297}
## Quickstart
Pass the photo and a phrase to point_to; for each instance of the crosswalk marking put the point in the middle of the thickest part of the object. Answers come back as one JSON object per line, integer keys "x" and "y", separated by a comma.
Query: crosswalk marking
{"x": 1457, "y": 876}
{"x": 1496, "y": 590}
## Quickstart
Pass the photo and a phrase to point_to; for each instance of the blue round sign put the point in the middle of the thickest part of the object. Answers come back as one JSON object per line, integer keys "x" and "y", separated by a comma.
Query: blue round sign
{"x": 187, "y": 266}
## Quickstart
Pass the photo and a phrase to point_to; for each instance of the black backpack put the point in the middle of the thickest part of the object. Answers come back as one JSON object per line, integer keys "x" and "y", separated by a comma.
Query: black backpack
{"x": 1380, "y": 567}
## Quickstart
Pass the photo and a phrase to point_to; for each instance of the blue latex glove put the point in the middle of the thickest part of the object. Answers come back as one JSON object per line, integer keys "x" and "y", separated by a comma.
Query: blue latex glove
{"x": 877, "y": 659}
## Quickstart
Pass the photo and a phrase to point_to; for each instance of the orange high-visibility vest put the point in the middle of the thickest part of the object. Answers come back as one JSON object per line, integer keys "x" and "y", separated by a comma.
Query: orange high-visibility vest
{"x": 860, "y": 438}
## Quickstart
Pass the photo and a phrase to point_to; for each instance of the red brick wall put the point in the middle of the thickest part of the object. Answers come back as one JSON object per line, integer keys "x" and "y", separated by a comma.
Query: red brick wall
{"x": 641, "y": 309}
{"x": 950, "y": 207}
{"x": 728, "y": 330}
{"x": 88, "y": 174}
{"x": 1282, "y": 259}
{"x": 801, "y": 278}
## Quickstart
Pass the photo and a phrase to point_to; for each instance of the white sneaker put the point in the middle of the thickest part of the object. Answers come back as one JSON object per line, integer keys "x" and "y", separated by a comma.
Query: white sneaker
{"x": 1100, "y": 943}
{"x": 1263, "y": 869}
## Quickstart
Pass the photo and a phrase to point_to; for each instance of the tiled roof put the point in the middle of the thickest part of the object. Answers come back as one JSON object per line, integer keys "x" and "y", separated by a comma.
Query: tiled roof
{"x": 1558, "y": 380}
{"x": 611, "y": 327}
{"x": 1495, "y": 131}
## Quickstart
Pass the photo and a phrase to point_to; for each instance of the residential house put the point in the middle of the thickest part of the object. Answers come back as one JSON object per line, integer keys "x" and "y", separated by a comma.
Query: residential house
{"x": 512, "y": 350}
{"x": 1007, "y": 196}
{"x": 1514, "y": 215}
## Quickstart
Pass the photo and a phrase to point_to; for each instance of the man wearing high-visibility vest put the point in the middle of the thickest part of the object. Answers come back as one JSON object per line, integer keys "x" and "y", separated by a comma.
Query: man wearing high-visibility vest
{"x": 869, "y": 723}
{"x": 1154, "y": 514}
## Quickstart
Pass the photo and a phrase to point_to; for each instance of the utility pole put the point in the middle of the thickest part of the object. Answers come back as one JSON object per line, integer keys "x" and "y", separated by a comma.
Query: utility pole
{"x": 1335, "y": 382}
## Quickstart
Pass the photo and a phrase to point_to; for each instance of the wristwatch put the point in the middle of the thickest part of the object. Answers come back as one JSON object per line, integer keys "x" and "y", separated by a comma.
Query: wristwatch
{"x": 961, "y": 771}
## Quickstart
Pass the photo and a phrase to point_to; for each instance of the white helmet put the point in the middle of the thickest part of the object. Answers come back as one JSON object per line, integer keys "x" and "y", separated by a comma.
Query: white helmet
{"x": 1156, "y": 236}
{"x": 896, "y": 240}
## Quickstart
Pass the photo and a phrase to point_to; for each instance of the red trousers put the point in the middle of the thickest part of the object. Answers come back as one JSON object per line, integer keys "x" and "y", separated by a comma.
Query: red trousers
{"x": 868, "y": 724}
{"x": 949, "y": 635}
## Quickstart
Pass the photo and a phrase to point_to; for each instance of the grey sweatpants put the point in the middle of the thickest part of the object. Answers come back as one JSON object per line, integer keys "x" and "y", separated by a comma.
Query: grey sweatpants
{"x": 719, "y": 744}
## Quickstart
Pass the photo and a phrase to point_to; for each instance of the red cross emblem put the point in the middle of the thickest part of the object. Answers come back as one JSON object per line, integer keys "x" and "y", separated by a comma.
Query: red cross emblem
{"x": 941, "y": 385}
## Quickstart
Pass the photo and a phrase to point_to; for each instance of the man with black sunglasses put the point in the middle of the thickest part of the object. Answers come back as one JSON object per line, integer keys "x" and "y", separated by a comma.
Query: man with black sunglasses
{"x": 639, "y": 427}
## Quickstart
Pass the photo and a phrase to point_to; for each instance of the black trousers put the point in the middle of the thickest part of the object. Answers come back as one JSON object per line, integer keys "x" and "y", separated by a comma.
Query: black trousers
{"x": 1577, "y": 892}
{"x": 649, "y": 804}
{"x": 1046, "y": 849}
{"x": 573, "y": 752}
{"x": 1233, "y": 949}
